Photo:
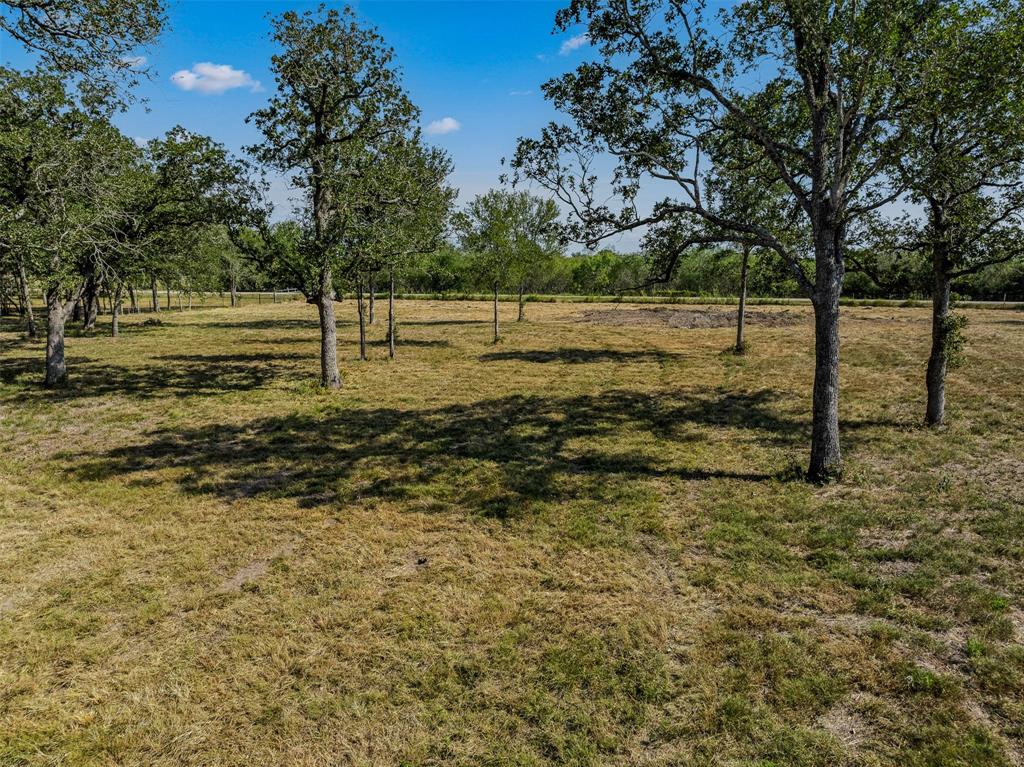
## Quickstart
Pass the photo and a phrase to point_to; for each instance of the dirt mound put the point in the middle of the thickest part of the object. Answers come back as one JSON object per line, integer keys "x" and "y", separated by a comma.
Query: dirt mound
{"x": 675, "y": 317}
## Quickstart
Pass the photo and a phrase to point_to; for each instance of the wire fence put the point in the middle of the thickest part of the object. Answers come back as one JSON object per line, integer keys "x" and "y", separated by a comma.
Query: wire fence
{"x": 181, "y": 300}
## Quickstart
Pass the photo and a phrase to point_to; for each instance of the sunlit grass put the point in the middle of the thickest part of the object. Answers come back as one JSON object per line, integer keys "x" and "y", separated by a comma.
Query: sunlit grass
{"x": 587, "y": 545}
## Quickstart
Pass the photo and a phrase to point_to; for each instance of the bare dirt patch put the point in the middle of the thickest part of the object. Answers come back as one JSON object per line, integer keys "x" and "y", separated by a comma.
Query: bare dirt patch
{"x": 846, "y": 724}
{"x": 676, "y": 317}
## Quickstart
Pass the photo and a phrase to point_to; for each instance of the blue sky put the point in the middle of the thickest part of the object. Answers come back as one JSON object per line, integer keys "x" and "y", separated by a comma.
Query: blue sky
{"x": 474, "y": 65}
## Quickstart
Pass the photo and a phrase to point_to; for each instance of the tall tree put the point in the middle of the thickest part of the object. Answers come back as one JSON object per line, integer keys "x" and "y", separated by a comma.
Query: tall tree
{"x": 64, "y": 189}
{"x": 338, "y": 101}
{"x": 409, "y": 214}
{"x": 809, "y": 86}
{"x": 741, "y": 186}
{"x": 963, "y": 161}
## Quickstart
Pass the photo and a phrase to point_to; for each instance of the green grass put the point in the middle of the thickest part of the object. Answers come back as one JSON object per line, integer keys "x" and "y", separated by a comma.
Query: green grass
{"x": 587, "y": 547}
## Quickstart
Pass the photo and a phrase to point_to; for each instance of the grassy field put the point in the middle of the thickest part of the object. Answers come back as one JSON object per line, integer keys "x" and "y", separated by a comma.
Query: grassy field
{"x": 586, "y": 545}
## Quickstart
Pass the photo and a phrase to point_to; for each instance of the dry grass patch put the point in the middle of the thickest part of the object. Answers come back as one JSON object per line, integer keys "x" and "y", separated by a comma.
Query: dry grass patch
{"x": 584, "y": 546}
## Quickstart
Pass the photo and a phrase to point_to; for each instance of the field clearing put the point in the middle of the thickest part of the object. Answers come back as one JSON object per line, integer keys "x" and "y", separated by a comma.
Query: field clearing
{"x": 586, "y": 545}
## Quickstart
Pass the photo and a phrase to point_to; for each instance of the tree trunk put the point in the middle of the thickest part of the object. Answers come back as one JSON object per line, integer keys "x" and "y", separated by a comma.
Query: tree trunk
{"x": 156, "y": 296}
{"x": 275, "y": 295}
{"x": 522, "y": 315}
{"x": 373, "y": 291}
{"x": 741, "y": 310}
{"x": 826, "y": 458}
{"x": 329, "y": 376}
{"x": 497, "y": 333}
{"x": 89, "y": 300}
{"x": 234, "y": 290}
{"x": 362, "y": 319}
{"x": 115, "y": 311}
{"x": 56, "y": 316}
{"x": 133, "y": 298}
{"x": 26, "y": 298}
{"x": 167, "y": 289}
{"x": 935, "y": 378}
{"x": 391, "y": 314}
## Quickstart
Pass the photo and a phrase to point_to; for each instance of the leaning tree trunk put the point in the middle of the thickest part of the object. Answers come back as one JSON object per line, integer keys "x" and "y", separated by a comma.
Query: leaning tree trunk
{"x": 56, "y": 316}
{"x": 361, "y": 309}
{"x": 329, "y": 376}
{"x": 373, "y": 293}
{"x": 115, "y": 311}
{"x": 26, "y": 299}
{"x": 522, "y": 314}
{"x": 156, "y": 296}
{"x": 391, "y": 314}
{"x": 741, "y": 310}
{"x": 826, "y": 458}
{"x": 497, "y": 334}
{"x": 935, "y": 379}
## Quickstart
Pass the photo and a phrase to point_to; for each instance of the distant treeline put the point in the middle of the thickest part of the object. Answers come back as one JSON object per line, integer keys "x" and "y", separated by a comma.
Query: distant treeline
{"x": 699, "y": 273}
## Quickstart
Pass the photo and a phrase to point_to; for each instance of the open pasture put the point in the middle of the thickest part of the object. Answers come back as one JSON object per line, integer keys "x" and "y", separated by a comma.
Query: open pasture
{"x": 588, "y": 544}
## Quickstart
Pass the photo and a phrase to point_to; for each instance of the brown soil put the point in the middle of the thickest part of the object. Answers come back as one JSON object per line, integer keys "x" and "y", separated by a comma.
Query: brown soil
{"x": 675, "y": 317}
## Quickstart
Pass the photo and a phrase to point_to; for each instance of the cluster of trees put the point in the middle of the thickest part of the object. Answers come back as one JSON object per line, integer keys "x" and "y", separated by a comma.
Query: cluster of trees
{"x": 796, "y": 129}
{"x": 875, "y": 146}
{"x": 86, "y": 213}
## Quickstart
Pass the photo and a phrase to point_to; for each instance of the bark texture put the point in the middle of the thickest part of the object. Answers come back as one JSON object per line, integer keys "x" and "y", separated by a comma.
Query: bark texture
{"x": 56, "y": 318}
{"x": 935, "y": 378}
{"x": 115, "y": 311}
{"x": 329, "y": 376}
{"x": 826, "y": 457}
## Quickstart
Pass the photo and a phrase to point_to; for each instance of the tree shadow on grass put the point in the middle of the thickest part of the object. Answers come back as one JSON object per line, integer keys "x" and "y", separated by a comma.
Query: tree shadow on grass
{"x": 429, "y": 323}
{"x": 578, "y": 356}
{"x": 497, "y": 456}
{"x": 170, "y": 375}
{"x": 279, "y": 324}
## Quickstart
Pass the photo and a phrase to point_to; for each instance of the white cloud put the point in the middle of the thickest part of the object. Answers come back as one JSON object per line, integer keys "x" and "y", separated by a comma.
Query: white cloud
{"x": 568, "y": 46}
{"x": 134, "y": 62}
{"x": 520, "y": 93}
{"x": 213, "y": 78}
{"x": 444, "y": 125}
{"x": 140, "y": 142}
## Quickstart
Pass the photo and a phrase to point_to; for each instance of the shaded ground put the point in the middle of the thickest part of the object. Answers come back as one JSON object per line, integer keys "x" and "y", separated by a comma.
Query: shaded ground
{"x": 587, "y": 545}
{"x": 676, "y": 317}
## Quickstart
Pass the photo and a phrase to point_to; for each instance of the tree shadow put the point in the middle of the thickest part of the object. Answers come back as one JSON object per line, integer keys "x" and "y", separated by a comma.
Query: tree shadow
{"x": 416, "y": 343}
{"x": 170, "y": 375}
{"x": 497, "y": 456}
{"x": 429, "y": 323}
{"x": 578, "y": 356}
{"x": 280, "y": 324}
